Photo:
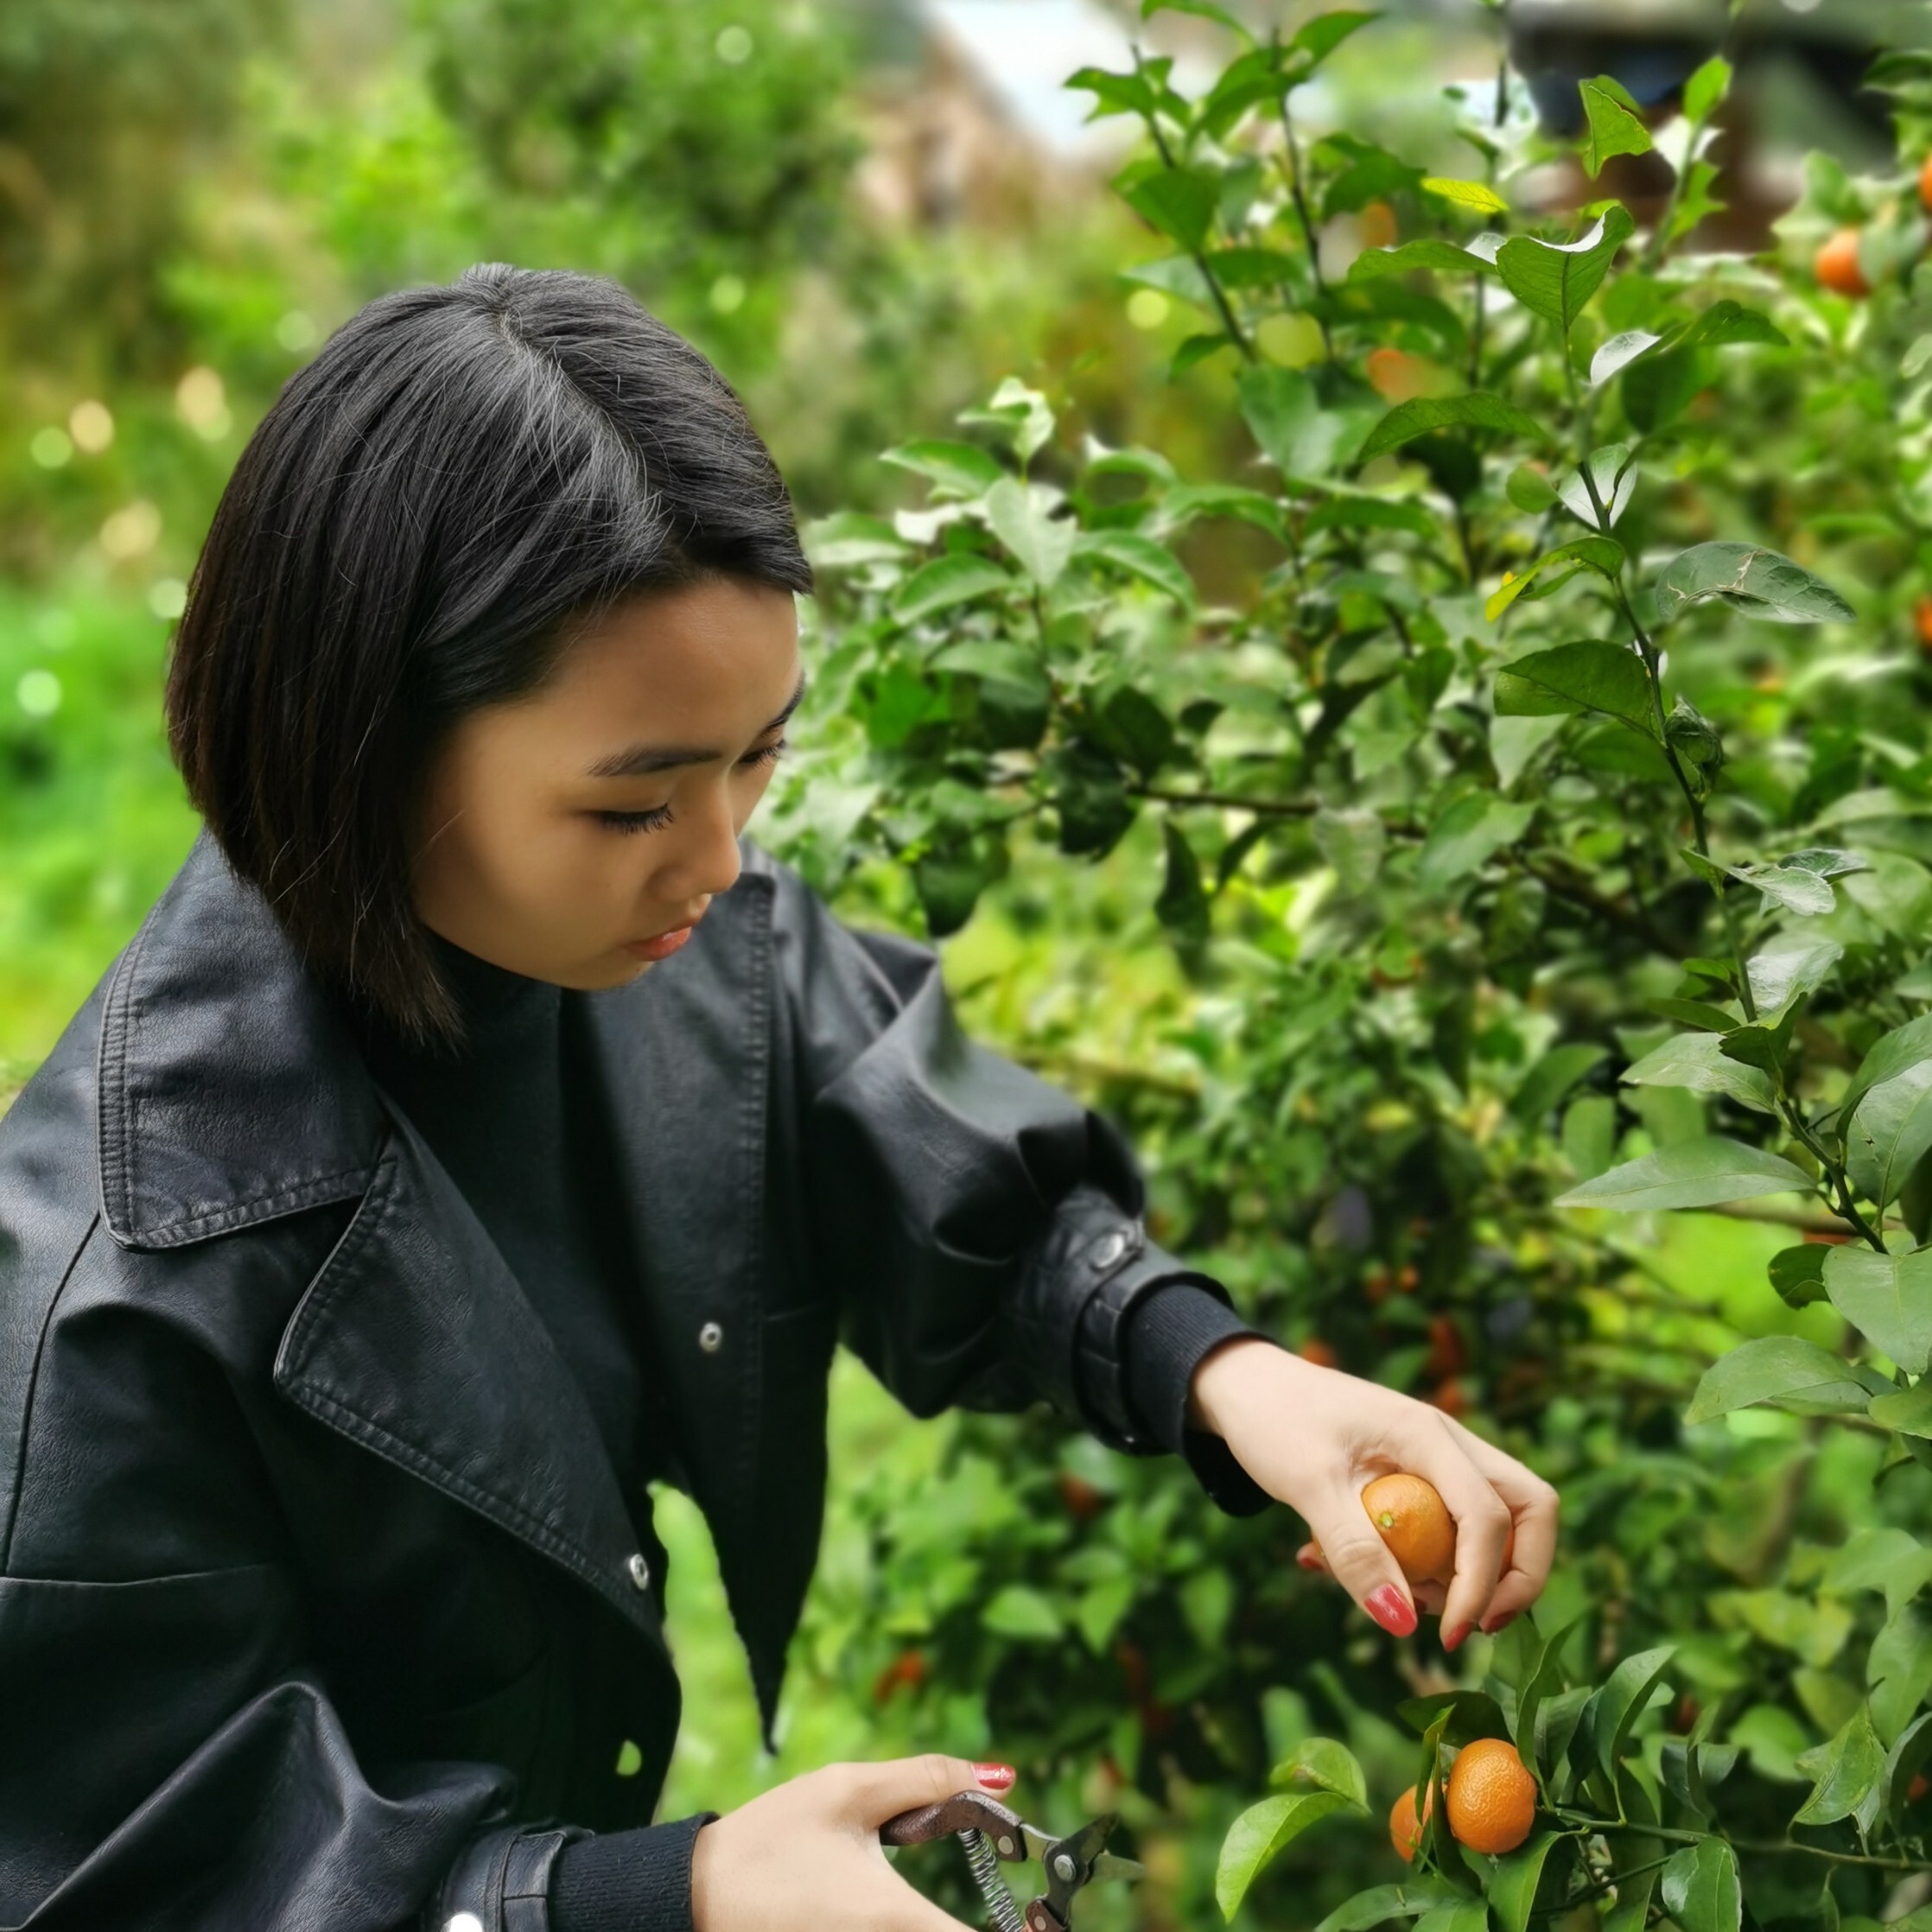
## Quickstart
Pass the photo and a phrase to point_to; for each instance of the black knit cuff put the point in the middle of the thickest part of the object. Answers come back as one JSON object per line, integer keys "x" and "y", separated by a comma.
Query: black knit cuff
{"x": 631, "y": 1881}
{"x": 1168, "y": 1337}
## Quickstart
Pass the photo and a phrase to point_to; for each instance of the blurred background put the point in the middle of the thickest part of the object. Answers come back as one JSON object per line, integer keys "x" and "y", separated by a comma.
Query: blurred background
{"x": 866, "y": 213}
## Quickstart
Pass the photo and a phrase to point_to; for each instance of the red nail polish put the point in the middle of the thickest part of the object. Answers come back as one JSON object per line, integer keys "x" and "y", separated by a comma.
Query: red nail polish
{"x": 995, "y": 1777}
{"x": 1393, "y": 1611}
{"x": 1456, "y": 1636}
{"x": 1503, "y": 1623}
{"x": 1308, "y": 1562}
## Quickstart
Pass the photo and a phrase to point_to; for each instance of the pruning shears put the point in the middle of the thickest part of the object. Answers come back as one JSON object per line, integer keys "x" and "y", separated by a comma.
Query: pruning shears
{"x": 992, "y": 1834}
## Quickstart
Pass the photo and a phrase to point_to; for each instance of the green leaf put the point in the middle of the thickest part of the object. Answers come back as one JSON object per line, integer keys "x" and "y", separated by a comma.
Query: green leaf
{"x": 1478, "y": 410}
{"x": 1887, "y": 1298}
{"x": 1723, "y": 323}
{"x": 1616, "y": 123}
{"x": 1381, "y": 1902}
{"x": 1443, "y": 257}
{"x": 1899, "y": 1669}
{"x": 945, "y": 581}
{"x": 1369, "y": 512}
{"x": 1302, "y": 439}
{"x": 1466, "y": 194}
{"x": 1178, "y": 201}
{"x": 1588, "y": 675}
{"x": 1617, "y": 355}
{"x": 1545, "y": 1681}
{"x": 1891, "y": 1129}
{"x": 956, "y": 470}
{"x": 1699, "y": 1013}
{"x": 1892, "y": 1053}
{"x": 1318, "y": 38}
{"x": 1512, "y": 1891}
{"x": 1794, "y": 887}
{"x": 1326, "y": 1764}
{"x": 1779, "y": 979}
{"x": 1472, "y": 1714}
{"x": 1759, "y": 582}
{"x": 1907, "y": 1410}
{"x": 1604, "y": 555}
{"x": 1472, "y": 830}
{"x": 1892, "y": 1561}
{"x": 1205, "y": 9}
{"x": 1695, "y": 1173}
{"x": 1182, "y": 907}
{"x": 1787, "y": 1372}
{"x": 1039, "y": 543}
{"x": 1258, "y": 1835}
{"x": 1706, "y": 88}
{"x": 1798, "y": 1273}
{"x": 1353, "y": 842}
{"x": 1700, "y": 1889}
{"x": 1847, "y": 1769}
{"x": 1908, "y": 1757}
{"x": 1530, "y": 490}
{"x": 1017, "y": 1611}
{"x": 1613, "y": 1707}
{"x": 1139, "y": 557}
{"x": 1464, "y": 1915}
{"x": 1555, "y": 279}
{"x": 1022, "y": 411}
{"x": 1551, "y": 1078}
{"x": 1698, "y": 1061}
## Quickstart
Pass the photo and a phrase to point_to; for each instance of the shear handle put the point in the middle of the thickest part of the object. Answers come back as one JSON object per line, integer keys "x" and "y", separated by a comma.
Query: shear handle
{"x": 965, "y": 1811}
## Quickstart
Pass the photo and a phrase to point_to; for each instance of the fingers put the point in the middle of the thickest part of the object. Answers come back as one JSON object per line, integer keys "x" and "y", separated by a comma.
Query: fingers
{"x": 1359, "y": 1559}
{"x": 868, "y": 1794}
{"x": 1535, "y": 1506}
{"x": 1484, "y": 1521}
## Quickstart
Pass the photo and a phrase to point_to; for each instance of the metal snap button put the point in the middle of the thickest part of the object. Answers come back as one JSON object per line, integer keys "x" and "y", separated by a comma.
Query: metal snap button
{"x": 639, "y": 1572}
{"x": 1109, "y": 1249}
{"x": 710, "y": 1337}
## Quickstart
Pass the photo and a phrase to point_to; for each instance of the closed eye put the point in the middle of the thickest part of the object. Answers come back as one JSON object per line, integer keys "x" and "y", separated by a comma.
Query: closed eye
{"x": 660, "y": 815}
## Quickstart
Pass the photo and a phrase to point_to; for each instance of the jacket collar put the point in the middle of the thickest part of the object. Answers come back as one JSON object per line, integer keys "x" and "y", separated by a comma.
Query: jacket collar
{"x": 230, "y": 1090}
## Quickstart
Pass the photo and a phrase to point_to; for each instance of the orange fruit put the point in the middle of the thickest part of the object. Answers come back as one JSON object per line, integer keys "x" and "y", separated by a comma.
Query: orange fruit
{"x": 1446, "y": 1354}
{"x": 1837, "y": 265}
{"x": 1917, "y": 1788}
{"x": 1379, "y": 225}
{"x": 1921, "y": 622}
{"x": 1404, "y": 1832}
{"x": 1447, "y": 1396}
{"x": 1416, "y": 1525}
{"x": 1925, "y": 184}
{"x": 1492, "y": 1796}
{"x": 1318, "y": 1351}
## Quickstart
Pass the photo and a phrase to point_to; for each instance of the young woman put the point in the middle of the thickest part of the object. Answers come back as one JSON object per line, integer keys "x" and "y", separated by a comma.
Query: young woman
{"x": 478, "y": 1129}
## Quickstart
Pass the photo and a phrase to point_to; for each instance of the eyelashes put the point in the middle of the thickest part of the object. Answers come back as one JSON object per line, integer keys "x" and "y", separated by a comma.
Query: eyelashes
{"x": 660, "y": 816}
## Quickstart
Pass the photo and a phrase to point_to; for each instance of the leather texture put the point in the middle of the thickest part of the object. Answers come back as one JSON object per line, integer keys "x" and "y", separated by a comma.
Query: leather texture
{"x": 319, "y": 1605}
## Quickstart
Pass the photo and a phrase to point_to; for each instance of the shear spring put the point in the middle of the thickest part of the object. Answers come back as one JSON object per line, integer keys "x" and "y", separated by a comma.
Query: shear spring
{"x": 993, "y": 1888}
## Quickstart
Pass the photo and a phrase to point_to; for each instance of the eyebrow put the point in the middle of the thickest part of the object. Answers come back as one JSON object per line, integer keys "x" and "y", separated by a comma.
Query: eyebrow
{"x": 641, "y": 759}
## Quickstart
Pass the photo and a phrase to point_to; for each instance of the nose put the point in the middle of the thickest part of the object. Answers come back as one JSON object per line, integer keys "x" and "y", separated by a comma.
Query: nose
{"x": 706, "y": 861}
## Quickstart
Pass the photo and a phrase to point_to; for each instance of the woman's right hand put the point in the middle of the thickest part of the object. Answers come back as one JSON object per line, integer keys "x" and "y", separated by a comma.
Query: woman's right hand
{"x": 807, "y": 1854}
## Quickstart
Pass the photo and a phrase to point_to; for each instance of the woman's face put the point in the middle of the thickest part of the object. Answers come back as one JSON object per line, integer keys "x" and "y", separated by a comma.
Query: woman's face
{"x": 604, "y": 809}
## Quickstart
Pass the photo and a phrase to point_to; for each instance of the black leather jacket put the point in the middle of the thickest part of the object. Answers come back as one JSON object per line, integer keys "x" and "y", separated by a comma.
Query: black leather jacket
{"x": 320, "y": 1606}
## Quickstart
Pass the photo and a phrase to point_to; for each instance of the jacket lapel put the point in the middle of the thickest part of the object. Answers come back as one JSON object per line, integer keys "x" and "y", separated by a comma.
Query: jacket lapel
{"x": 231, "y": 1093}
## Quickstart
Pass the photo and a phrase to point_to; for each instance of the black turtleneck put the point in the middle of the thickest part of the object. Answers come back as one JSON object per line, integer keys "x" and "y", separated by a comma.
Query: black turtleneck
{"x": 515, "y": 1116}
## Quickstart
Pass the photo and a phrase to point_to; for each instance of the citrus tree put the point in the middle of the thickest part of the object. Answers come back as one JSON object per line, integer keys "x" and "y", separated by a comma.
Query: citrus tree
{"x": 1520, "y": 744}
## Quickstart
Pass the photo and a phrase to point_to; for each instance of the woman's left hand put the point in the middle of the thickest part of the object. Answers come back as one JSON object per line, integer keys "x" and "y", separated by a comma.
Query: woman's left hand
{"x": 1313, "y": 1437}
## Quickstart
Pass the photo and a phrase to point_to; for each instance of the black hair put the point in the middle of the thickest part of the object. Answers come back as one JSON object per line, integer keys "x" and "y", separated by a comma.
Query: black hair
{"x": 415, "y": 529}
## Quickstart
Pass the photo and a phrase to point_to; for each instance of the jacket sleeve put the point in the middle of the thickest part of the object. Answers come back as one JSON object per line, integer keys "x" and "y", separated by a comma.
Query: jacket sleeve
{"x": 984, "y": 1231}
{"x": 170, "y": 1757}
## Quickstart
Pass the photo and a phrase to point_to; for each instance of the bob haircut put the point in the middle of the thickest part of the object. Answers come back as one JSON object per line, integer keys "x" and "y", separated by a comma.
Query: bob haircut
{"x": 419, "y": 525}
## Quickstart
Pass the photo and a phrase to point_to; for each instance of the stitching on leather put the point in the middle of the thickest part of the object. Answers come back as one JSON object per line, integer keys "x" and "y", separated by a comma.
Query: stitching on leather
{"x": 752, "y": 1109}
{"x": 19, "y": 1483}
{"x": 304, "y": 1193}
{"x": 109, "y": 1092}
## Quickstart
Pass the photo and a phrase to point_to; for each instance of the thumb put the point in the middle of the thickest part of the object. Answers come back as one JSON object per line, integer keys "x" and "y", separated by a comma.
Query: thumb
{"x": 874, "y": 1792}
{"x": 1362, "y": 1563}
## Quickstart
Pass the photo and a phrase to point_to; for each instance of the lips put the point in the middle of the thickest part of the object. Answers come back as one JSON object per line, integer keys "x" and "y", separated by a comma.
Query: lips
{"x": 661, "y": 945}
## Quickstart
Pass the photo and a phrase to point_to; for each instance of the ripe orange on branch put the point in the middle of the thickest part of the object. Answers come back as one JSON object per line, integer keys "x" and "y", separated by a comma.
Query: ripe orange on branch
{"x": 1415, "y": 1522}
{"x": 1491, "y": 1797}
{"x": 1838, "y": 267}
{"x": 1404, "y": 1834}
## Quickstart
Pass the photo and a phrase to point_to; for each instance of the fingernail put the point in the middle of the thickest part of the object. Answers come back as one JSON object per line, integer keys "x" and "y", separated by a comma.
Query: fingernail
{"x": 995, "y": 1777}
{"x": 1455, "y": 1638}
{"x": 1508, "y": 1617}
{"x": 1392, "y": 1610}
{"x": 1308, "y": 1562}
